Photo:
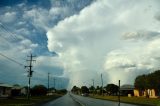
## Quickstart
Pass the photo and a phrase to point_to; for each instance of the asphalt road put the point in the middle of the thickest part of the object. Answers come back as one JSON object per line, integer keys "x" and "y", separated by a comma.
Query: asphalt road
{"x": 75, "y": 100}
{"x": 86, "y": 101}
{"x": 66, "y": 100}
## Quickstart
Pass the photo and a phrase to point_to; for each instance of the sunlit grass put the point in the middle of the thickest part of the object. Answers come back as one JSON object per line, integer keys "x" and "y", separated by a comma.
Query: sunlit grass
{"x": 133, "y": 100}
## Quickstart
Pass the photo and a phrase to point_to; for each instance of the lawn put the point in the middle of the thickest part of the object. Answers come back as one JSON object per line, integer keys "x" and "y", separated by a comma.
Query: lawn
{"x": 133, "y": 100}
{"x": 22, "y": 101}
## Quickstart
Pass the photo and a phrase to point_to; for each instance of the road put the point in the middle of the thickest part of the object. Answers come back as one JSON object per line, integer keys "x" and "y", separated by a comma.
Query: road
{"x": 75, "y": 100}
{"x": 66, "y": 100}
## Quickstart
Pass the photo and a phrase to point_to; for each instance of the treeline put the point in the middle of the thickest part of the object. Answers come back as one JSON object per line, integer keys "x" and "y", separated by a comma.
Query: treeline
{"x": 110, "y": 89}
{"x": 40, "y": 90}
{"x": 149, "y": 81}
{"x": 142, "y": 83}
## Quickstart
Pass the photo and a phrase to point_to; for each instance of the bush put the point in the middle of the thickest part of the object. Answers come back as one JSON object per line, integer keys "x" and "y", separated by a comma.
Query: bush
{"x": 39, "y": 90}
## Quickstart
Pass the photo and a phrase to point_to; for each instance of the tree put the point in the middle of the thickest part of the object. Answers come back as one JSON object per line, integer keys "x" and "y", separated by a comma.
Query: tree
{"x": 62, "y": 91}
{"x": 97, "y": 88}
{"x": 112, "y": 89}
{"x": 39, "y": 90}
{"x": 149, "y": 81}
{"x": 140, "y": 82}
{"x": 75, "y": 89}
{"x": 92, "y": 89}
{"x": 84, "y": 89}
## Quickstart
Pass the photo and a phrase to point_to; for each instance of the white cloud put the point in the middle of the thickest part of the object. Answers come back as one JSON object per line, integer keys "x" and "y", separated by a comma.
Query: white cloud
{"x": 82, "y": 41}
{"x": 62, "y": 11}
{"x": 47, "y": 64}
{"x": 133, "y": 61}
{"x": 9, "y": 17}
{"x": 38, "y": 17}
{"x": 141, "y": 35}
{"x": 25, "y": 25}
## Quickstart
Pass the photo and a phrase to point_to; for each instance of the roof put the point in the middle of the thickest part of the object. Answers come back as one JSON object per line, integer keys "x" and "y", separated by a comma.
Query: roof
{"x": 127, "y": 87}
{"x": 5, "y": 85}
{"x": 16, "y": 87}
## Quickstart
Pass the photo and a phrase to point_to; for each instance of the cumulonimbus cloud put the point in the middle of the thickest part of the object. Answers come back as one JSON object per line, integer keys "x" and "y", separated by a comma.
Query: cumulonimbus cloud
{"x": 84, "y": 41}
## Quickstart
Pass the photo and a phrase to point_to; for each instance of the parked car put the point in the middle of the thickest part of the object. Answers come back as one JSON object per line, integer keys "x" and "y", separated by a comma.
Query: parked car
{"x": 84, "y": 94}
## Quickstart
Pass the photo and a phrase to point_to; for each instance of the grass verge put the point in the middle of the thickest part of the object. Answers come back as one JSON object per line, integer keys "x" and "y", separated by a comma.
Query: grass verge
{"x": 22, "y": 101}
{"x": 132, "y": 100}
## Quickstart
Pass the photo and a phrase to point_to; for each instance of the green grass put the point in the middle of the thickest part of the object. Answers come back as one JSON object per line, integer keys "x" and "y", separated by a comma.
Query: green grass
{"x": 22, "y": 101}
{"x": 132, "y": 100}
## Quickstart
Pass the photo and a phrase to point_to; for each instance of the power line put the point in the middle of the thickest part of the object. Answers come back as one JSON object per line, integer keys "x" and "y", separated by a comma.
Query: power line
{"x": 8, "y": 31}
{"x": 11, "y": 59}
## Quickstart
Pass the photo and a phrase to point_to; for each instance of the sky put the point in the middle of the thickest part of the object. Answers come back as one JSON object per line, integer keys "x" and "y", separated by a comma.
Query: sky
{"x": 78, "y": 40}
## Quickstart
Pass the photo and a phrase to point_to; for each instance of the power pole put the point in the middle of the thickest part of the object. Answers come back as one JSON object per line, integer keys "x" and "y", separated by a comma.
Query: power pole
{"x": 93, "y": 82}
{"x": 54, "y": 79}
{"x": 93, "y": 86}
{"x": 48, "y": 82}
{"x": 30, "y": 72}
{"x": 102, "y": 83}
{"x": 119, "y": 93}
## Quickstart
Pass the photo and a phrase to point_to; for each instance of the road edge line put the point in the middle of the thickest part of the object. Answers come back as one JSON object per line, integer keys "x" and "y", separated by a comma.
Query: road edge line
{"x": 76, "y": 100}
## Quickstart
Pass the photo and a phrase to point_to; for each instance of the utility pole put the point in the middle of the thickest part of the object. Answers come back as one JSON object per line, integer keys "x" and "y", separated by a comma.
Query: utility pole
{"x": 93, "y": 86}
{"x": 48, "y": 82}
{"x": 119, "y": 93}
{"x": 102, "y": 83}
{"x": 30, "y": 72}
{"x": 54, "y": 79}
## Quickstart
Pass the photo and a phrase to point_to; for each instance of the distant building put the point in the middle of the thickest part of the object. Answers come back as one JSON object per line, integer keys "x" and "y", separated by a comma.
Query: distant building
{"x": 24, "y": 90}
{"x": 51, "y": 92}
{"x": 127, "y": 90}
{"x": 18, "y": 90}
{"x": 5, "y": 90}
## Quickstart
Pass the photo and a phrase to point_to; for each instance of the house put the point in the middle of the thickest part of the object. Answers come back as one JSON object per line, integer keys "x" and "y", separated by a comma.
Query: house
{"x": 151, "y": 93}
{"x": 127, "y": 90}
{"x": 51, "y": 92}
{"x": 18, "y": 90}
{"x": 130, "y": 90}
{"x": 24, "y": 90}
{"x": 5, "y": 90}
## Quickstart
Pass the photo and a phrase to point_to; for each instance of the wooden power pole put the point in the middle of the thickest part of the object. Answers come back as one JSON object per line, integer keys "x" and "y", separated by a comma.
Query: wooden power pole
{"x": 30, "y": 72}
{"x": 102, "y": 83}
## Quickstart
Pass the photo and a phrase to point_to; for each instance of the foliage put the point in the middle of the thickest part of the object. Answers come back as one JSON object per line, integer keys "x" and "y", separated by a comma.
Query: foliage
{"x": 84, "y": 89}
{"x": 140, "y": 82}
{"x": 39, "y": 90}
{"x": 150, "y": 81}
{"x": 75, "y": 89}
{"x": 62, "y": 91}
{"x": 98, "y": 88}
{"x": 112, "y": 89}
{"x": 92, "y": 88}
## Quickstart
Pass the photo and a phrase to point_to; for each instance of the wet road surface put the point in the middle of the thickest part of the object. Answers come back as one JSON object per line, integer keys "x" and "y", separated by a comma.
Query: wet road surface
{"x": 75, "y": 100}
